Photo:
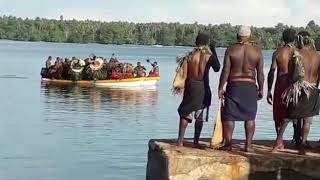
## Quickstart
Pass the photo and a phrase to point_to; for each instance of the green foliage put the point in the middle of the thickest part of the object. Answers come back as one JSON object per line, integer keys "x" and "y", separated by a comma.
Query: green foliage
{"x": 172, "y": 34}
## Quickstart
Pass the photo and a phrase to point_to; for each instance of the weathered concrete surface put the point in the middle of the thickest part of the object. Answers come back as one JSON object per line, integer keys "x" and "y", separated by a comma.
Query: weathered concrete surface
{"x": 168, "y": 161}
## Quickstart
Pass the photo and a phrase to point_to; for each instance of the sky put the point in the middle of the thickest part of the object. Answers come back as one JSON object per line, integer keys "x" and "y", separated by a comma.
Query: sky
{"x": 237, "y": 12}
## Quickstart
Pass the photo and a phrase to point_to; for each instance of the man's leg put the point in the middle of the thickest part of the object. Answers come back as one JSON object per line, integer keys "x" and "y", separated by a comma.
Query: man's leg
{"x": 197, "y": 132}
{"x": 277, "y": 126}
{"x": 279, "y": 140}
{"x": 250, "y": 127}
{"x": 305, "y": 132}
{"x": 182, "y": 130}
{"x": 297, "y": 132}
{"x": 228, "y": 127}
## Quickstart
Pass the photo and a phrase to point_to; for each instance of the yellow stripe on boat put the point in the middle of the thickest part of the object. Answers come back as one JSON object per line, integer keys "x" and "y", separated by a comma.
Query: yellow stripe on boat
{"x": 142, "y": 81}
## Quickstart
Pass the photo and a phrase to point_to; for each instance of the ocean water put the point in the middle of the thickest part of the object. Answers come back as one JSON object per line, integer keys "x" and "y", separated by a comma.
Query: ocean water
{"x": 67, "y": 132}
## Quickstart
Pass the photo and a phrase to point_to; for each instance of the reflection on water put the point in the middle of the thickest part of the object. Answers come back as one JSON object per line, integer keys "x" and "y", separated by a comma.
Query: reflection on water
{"x": 99, "y": 102}
{"x": 94, "y": 97}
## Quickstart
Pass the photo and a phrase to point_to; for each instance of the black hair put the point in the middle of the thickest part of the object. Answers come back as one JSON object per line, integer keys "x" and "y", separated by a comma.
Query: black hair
{"x": 289, "y": 35}
{"x": 202, "y": 39}
{"x": 304, "y": 33}
{"x": 303, "y": 38}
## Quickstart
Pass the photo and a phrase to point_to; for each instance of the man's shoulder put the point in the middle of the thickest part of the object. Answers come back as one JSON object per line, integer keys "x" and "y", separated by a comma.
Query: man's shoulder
{"x": 255, "y": 48}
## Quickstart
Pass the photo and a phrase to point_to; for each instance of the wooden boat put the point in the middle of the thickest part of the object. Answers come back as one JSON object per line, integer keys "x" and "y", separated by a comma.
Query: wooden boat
{"x": 132, "y": 82}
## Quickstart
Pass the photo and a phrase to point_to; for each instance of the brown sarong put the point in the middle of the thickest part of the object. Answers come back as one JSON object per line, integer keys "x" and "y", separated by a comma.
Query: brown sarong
{"x": 279, "y": 109}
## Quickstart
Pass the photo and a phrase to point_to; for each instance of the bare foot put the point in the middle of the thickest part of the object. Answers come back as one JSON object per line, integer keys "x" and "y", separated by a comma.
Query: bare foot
{"x": 180, "y": 143}
{"x": 277, "y": 146}
{"x": 248, "y": 149}
{"x": 302, "y": 149}
{"x": 226, "y": 148}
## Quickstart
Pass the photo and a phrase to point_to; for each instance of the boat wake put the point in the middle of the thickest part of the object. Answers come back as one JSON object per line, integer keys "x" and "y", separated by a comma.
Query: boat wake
{"x": 12, "y": 76}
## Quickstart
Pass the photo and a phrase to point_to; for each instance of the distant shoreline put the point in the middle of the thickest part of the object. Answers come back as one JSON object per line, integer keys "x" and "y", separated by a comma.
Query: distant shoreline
{"x": 124, "y": 33}
{"x": 127, "y": 33}
{"x": 156, "y": 46}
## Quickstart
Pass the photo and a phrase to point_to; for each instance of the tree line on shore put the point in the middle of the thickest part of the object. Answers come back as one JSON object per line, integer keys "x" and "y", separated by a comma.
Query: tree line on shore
{"x": 167, "y": 34}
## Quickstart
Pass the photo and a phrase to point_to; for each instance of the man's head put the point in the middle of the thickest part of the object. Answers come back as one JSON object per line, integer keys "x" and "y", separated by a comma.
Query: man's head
{"x": 289, "y": 35}
{"x": 50, "y": 57}
{"x": 304, "y": 39}
{"x": 244, "y": 33}
{"x": 92, "y": 56}
{"x": 138, "y": 63}
{"x": 154, "y": 64}
{"x": 202, "y": 39}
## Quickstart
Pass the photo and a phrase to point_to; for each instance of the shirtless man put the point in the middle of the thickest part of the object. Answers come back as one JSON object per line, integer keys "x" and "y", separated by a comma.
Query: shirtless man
{"x": 197, "y": 94}
{"x": 306, "y": 107}
{"x": 139, "y": 70}
{"x": 280, "y": 60}
{"x": 243, "y": 62}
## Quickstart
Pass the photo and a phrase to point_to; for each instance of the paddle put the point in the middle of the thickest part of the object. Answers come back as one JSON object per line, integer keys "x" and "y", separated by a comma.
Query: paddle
{"x": 217, "y": 134}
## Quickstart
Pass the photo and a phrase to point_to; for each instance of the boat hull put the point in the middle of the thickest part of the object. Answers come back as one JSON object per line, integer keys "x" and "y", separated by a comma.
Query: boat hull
{"x": 132, "y": 82}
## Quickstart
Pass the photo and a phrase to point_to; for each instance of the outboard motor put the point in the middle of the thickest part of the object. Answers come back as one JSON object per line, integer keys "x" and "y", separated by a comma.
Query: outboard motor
{"x": 44, "y": 73}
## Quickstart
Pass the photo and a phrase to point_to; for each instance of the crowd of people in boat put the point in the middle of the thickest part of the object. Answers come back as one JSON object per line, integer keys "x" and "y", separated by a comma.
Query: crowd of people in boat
{"x": 95, "y": 68}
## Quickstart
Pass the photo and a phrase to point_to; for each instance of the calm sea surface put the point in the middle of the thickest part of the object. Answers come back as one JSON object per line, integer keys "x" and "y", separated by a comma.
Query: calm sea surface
{"x": 68, "y": 132}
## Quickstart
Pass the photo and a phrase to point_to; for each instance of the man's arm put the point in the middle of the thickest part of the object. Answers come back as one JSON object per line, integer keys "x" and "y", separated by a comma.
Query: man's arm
{"x": 215, "y": 64}
{"x": 318, "y": 70}
{"x": 260, "y": 75}
{"x": 271, "y": 76}
{"x": 271, "y": 71}
{"x": 225, "y": 73}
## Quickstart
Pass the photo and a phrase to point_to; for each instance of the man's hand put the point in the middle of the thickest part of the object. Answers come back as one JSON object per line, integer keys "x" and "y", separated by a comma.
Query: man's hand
{"x": 260, "y": 94}
{"x": 221, "y": 93}
{"x": 269, "y": 97}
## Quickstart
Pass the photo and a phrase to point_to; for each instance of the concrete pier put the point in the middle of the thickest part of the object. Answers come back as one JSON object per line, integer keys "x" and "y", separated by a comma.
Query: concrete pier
{"x": 166, "y": 161}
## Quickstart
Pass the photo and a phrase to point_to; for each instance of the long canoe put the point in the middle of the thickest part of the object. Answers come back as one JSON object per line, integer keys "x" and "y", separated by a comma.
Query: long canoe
{"x": 132, "y": 82}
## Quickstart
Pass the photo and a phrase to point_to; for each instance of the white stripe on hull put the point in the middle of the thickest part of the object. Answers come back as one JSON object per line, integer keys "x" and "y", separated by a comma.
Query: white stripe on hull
{"x": 128, "y": 84}
{"x": 138, "y": 83}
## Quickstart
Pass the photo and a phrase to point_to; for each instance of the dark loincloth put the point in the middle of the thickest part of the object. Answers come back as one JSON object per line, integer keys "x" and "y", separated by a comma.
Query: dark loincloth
{"x": 306, "y": 107}
{"x": 279, "y": 109}
{"x": 240, "y": 102}
{"x": 194, "y": 99}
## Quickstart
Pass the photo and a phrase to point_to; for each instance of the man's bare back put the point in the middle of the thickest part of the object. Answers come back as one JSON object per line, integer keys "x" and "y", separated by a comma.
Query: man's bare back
{"x": 197, "y": 66}
{"x": 243, "y": 62}
{"x": 282, "y": 57}
{"x": 311, "y": 63}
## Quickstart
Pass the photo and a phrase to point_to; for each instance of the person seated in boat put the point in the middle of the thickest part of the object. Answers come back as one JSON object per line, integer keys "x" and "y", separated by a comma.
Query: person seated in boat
{"x": 155, "y": 70}
{"x": 127, "y": 70}
{"x": 66, "y": 68}
{"x": 55, "y": 72}
{"x": 92, "y": 58}
{"x": 113, "y": 59}
{"x": 139, "y": 70}
{"x": 116, "y": 72}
